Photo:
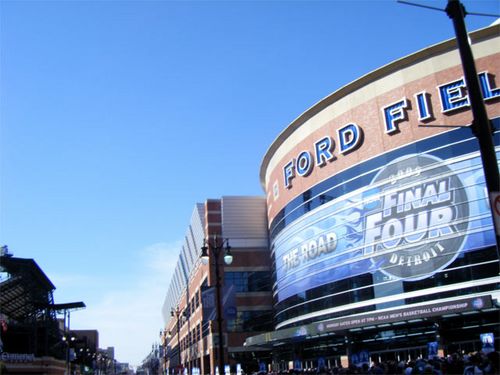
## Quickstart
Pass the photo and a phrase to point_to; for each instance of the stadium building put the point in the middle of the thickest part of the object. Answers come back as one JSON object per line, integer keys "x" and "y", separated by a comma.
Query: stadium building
{"x": 381, "y": 232}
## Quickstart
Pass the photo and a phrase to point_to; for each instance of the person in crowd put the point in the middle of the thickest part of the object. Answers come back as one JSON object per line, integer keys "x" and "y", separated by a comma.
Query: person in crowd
{"x": 477, "y": 363}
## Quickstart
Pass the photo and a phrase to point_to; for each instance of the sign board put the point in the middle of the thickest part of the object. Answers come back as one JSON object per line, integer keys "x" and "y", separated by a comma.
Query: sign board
{"x": 487, "y": 342}
{"x": 321, "y": 364}
{"x": 358, "y": 359}
{"x": 262, "y": 367}
{"x": 417, "y": 312}
{"x": 344, "y": 361}
{"x": 297, "y": 364}
{"x": 381, "y": 317}
{"x": 17, "y": 357}
{"x": 320, "y": 152}
{"x": 228, "y": 300}
{"x": 364, "y": 357}
{"x": 432, "y": 349}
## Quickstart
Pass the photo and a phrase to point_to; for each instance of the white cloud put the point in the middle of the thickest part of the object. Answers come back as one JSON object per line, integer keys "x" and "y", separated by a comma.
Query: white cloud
{"x": 69, "y": 280}
{"x": 130, "y": 319}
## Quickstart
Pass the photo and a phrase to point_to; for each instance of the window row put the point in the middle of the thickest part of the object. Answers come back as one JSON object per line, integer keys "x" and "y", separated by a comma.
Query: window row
{"x": 475, "y": 265}
{"x": 251, "y": 321}
{"x": 257, "y": 281}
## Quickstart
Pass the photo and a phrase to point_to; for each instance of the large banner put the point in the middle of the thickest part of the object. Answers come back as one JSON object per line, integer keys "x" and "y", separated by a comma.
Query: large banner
{"x": 228, "y": 302}
{"x": 415, "y": 217}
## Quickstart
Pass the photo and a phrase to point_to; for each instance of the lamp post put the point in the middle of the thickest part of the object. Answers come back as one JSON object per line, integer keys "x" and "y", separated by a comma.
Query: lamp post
{"x": 154, "y": 361}
{"x": 163, "y": 350}
{"x": 168, "y": 351}
{"x": 178, "y": 314}
{"x": 481, "y": 125}
{"x": 69, "y": 341}
{"x": 212, "y": 248}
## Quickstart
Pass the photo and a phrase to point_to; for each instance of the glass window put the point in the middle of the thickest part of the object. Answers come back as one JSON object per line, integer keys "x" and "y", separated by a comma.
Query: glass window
{"x": 258, "y": 281}
{"x": 251, "y": 321}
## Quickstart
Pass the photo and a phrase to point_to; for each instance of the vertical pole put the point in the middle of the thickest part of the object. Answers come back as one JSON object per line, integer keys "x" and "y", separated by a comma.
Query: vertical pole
{"x": 66, "y": 342}
{"x": 438, "y": 337}
{"x": 481, "y": 125}
{"x": 219, "y": 307}
{"x": 347, "y": 341}
{"x": 178, "y": 313}
{"x": 68, "y": 339}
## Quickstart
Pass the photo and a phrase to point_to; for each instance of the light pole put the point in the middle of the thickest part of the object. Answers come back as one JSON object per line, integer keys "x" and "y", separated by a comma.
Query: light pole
{"x": 212, "y": 248}
{"x": 163, "y": 350}
{"x": 178, "y": 314}
{"x": 481, "y": 125}
{"x": 154, "y": 359}
{"x": 69, "y": 341}
{"x": 168, "y": 350}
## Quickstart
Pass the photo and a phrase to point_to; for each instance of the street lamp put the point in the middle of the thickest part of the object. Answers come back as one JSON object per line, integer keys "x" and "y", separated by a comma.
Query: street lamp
{"x": 213, "y": 248}
{"x": 163, "y": 350}
{"x": 69, "y": 340}
{"x": 168, "y": 349}
{"x": 154, "y": 360}
{"x": 481, "y": 125}
{"x": 178, "y": 314}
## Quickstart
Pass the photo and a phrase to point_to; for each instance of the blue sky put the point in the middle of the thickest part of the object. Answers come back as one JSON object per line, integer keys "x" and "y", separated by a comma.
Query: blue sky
{"x": 116, "y": 117}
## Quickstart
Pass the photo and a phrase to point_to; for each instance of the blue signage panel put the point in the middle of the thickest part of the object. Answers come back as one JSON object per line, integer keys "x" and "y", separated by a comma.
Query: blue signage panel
{"x": 361, "y": 358}
{"x": 262, "y": 367}
{"x": 297, "y": 364}
{"x": 487, "y": 342}
{"x": 228, "y": 301}
{"x": 321, "y": 364}
{"x": 432, "y": 349}
{"x": 418, "y": 214}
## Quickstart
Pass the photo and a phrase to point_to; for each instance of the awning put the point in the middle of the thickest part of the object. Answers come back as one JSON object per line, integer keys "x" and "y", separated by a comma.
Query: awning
{"x": 386, "y": 316}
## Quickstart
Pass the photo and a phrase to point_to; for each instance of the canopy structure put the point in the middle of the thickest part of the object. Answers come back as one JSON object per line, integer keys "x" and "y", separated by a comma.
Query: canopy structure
{"x": 24, "y": 289}
{"x": 61, "y": 307}
{"x": 339, "y": 327}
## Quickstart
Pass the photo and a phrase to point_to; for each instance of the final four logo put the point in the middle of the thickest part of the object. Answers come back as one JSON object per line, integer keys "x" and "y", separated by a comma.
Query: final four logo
{"x": 417, "y": 219}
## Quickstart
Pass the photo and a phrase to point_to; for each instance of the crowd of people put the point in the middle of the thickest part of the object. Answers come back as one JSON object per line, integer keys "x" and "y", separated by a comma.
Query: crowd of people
{"x": 477, "y": 363}
{"x": 472, "y": 364}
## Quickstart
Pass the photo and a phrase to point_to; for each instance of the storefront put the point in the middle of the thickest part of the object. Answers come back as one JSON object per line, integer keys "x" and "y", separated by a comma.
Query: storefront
{"x": 26, "y": 364}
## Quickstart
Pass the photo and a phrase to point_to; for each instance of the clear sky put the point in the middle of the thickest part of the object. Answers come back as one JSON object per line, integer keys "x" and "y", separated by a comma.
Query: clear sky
{"x": 118, "y": 116}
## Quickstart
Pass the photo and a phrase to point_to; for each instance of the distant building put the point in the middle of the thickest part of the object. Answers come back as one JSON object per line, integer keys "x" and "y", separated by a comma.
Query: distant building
{"x": 33, "y": 340}
{"x": 89, "y": 338}
{"x": 110, "y": 351}
{"x": 29, "y": 324}
{"x": 30, "y": 339}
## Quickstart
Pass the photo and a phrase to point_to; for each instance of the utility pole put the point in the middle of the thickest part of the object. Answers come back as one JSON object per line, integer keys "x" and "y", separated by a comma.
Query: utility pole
{"x": 481, "y": 126}
{"x": 214, "y": 249}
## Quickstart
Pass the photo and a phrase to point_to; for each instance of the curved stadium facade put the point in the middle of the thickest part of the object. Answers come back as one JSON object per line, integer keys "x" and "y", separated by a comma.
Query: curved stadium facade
{"x": 381, "y": 234}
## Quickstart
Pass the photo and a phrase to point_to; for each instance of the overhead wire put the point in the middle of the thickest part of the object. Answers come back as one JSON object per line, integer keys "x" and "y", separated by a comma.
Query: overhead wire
{"x": 443, "y": 10}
